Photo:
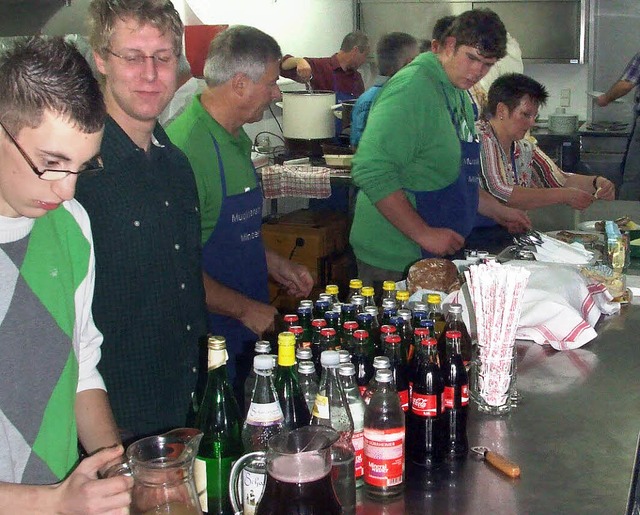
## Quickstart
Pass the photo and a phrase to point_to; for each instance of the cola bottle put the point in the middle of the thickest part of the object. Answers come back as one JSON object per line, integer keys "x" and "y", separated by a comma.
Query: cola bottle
{"x": 290, "y": 320}
{"x": 297, "y": 332}
{"x": 362, "y": 359}
{"x": 426, "y": 425}
{"x": 265, "y": 417}
{"x": 348, "y": 329}
{"x": 397, "y": 358}
{"x": 294, "y": 407}
{"x": 356, "y": 407}
{"x": 317, "y": 324}
{"x": 385, "y": 331}
{"x": 454, "y": 322}
{"x": 374, "y": 332}
{"x": 332, "y": 409}
{"x": 405, "y": 330}
{"x": 456, "y": 399}
{"x": 379, "y": 363}
{"x": 261, "y": 347}
{"x": 328, "y": 340}
{"x": 305, "y": 315}
{"x": 420, "y": 334}
{"x": 384, "y": 440}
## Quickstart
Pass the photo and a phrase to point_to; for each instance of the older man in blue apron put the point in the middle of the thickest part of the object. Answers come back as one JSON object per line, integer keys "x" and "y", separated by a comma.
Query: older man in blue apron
{"x": 241, "y": 72}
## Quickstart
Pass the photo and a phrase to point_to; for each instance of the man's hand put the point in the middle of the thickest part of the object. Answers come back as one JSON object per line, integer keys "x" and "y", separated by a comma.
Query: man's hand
{"x": 83, "y": 493}
{"x": 295, "y": 278}
{"x": 602, "y": 100}
{"x": 258, "y": 317}
{"x": 303, "y": 69}
{"x": 577, "y": 198}
{"x": 605, "y": 189}
{"x": 441, "y": 241}
{"x": 516, "y": 221}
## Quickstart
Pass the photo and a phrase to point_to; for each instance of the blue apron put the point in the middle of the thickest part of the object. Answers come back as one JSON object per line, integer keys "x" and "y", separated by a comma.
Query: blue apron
{"x": 234, "y": 255}
{"x": 456, "y": 206}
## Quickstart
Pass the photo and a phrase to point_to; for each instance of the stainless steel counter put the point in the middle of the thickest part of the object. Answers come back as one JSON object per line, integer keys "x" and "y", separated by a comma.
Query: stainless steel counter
{"x": 574, "y": 436}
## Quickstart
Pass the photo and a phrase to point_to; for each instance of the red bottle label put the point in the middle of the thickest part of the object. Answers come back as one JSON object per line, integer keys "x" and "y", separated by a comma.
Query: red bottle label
{"x": 362, "y": 390}
{"x": 449, "y": 393}
{"x": 404, "y": 399}
{"x": 424, "y": 405}
{"x": 384, "y": 456}
{"x": 358, "y": 445}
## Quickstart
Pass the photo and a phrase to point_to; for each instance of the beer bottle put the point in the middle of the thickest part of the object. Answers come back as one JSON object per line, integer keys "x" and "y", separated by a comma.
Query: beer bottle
{"x": 384, "y": 439}
{"x": 261, "y": 347}
{"x": 456, "y": 399}
{"x": 332, "y": 409}
{"x": 454, "y": 322}
{"x": 294, "y": 408}
{"x": 426, "y": 426}
{"x": 265, "y": 417}
{"x": 397, "y": 358}
{"x": 356, "y": 407}
{"x": 220, "y": 421}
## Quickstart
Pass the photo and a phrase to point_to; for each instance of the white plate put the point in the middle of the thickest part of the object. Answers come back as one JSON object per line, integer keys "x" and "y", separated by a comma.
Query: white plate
{"x": 589, "y": 226}
{"x": 595, "y": 94}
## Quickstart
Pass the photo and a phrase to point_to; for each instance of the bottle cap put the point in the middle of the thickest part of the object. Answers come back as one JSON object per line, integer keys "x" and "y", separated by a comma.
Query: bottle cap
{"x": 305, "y": 310}
{"x": 263, "y": 362}
{"x": 286, "y": 349}
{"x": 453, "y": 334}
{"x": 388, "y": 304}
{"x": 337, "y": 307}
{"x": 332, "y": 314}
{"x": 405, "y": 314}
{"x": 433, "y": 298}
{"x": 387, "y": 329}
{"x": 371, "y": 310}
{"x": 455, "y": 308}
{"x": 427, "y": 322}
{"x": 419, "y": 306}
{"x": 421, "y": 332}
{"x": 419, "y": 314}
{"x": 360, "y": 334}
{"x": 216, "y": 342}
{"x": 388, "y": 285}
{"x": 306, "y": 367}
{"x": 324, "y": 297}
{"x": 381, "y": 362}
{"x": 429, "y": 342}
{"x": 355, "y": 284}
{"x": 329, "y": 358}
{"x": 304, "y": 354}
{"x": 345, "y": 357}
{"x": 384, "y": 375}
{"x": 357, "y": 300}
{"x": 296, "y": 329}
{"x": 402, "y": 295}
{"x": 332, "y": 289}
{"x": 393, "y": 339}
{"x": 367, "y": 291}
{"x": 306, "y": 303}
{"x": 347, "y": 369}
{"x": 290, "y": 319}
{"x": 263, "y": 347}
{"x": 350, "y": 325}
{"x": 347, "y": 306}
{"x": 328, "y": 331}
{"x": 319, "y": 322}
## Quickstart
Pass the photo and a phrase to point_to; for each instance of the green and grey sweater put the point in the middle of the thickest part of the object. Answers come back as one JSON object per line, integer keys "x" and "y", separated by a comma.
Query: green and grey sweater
{"x": 49, "y": 345}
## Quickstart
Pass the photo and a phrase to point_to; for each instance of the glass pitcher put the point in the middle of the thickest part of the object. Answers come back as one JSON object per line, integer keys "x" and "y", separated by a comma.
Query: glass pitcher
{"x": 298, "y": 474}
{"x": 162, "y": 470}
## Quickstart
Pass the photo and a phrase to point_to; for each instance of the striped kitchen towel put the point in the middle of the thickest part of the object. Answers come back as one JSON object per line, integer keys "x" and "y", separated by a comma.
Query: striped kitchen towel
{"x": 296, "y": 181}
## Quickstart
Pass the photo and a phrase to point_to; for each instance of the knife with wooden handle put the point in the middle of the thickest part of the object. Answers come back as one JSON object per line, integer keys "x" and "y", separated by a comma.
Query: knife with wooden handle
{"x": 498, "y": 461}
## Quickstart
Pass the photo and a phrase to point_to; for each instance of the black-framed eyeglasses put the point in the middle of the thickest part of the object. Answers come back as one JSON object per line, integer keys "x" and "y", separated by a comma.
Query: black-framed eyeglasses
{"x": 133, "y": 58}
{"x": 54, "y": 174}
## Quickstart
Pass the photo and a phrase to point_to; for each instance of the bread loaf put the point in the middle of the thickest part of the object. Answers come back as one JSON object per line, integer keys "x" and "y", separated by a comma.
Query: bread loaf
{"x": 433, "y": 274}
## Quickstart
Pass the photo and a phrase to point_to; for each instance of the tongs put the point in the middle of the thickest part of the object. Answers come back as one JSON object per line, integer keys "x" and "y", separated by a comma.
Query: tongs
{"x": 498, "y": 461}
{"x": 528, "y": 239}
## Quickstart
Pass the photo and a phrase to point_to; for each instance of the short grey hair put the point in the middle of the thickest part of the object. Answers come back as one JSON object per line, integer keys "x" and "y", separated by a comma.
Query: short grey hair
{"x": 354, "y": 39}
{"x": 239, "y": 49}
{"x": 392, "y": 51}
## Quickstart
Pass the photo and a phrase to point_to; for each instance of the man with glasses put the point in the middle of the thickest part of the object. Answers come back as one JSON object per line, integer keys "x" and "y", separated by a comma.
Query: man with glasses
{"x": 149, "y": 300}
{"x": 51, "y": 392}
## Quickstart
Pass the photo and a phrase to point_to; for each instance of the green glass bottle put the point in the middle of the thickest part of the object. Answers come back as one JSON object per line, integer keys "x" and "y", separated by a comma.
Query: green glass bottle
{"x": 220, "y": 420}
{"x": 292, "y": 401}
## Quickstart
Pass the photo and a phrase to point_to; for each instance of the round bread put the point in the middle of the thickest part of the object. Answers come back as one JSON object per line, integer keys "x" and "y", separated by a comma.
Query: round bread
{"x": 433, "y": 274}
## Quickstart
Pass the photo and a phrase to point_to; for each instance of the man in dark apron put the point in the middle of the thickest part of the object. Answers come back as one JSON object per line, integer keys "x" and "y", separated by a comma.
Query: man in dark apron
{"x": 418, "y": 161}
{"x": 241, "y": 72}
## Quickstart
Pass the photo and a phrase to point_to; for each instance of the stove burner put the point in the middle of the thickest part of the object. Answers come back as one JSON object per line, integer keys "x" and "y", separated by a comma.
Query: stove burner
{"x": 606, "y": 126}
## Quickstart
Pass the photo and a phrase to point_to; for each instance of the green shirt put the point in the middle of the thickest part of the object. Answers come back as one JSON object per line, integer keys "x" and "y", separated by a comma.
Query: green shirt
{"x": 409, "y": 143}
{"x": 193, "y": 132}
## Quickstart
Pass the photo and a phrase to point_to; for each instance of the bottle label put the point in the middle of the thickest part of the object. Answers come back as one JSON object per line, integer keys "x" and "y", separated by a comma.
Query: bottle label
{"x": 253, "y": 482}
{"x": 424, "y": 405}
{"x": 449, "y": 392}
{"x": 321, "y": 407}
{"x": 216, "y": 358}
{"x": 384, "y": 456}
{"x": 404, "y": 399}
{"x": 200, "y": 479}
{"x": 264, "y": 414}
{"x": 358, "y": 446}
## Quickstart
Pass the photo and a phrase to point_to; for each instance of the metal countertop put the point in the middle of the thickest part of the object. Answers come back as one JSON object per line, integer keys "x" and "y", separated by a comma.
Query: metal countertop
{"x": 574, "y": 436}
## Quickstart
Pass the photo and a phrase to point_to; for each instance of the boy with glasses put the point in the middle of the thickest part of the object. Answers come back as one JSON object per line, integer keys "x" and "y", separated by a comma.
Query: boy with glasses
{"x": 149, "y": 299}
{"x": 51, "y": 394}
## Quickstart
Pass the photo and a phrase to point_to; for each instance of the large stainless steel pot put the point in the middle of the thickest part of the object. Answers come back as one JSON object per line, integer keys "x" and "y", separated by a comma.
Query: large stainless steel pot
{"x": 308, "y": 115}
